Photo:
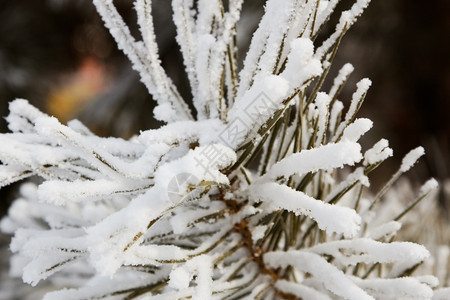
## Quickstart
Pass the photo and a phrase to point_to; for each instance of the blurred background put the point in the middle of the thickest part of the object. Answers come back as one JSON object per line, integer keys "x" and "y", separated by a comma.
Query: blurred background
{"x": 57, "y": 54}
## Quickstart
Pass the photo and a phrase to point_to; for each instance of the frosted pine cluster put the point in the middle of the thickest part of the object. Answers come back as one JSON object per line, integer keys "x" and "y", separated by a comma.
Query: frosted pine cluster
{"x": 261, "y": 195}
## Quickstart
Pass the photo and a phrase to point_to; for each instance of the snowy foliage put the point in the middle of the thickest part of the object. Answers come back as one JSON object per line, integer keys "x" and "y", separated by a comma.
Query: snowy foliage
{"x": 180, "y": 211}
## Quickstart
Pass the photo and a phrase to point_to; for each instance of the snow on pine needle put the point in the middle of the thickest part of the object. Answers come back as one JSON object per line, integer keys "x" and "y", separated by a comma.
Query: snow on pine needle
{"x": 263, "y": 195}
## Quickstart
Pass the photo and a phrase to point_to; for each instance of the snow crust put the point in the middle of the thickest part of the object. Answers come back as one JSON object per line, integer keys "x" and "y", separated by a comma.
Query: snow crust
{"x": 326, "y": 157}
{"x": 351, "y": 252}
{"x": 411, "y": 158}
{"x": 379, "y": 152}
{"x": 301, "y": 64}
{"x": 340, "y": 79}
{"x": 398, "y": 288}
{"x": 428, "y": 186}
{"x": 331, "y": 218}
{"x": 144, "y": 57}
{"x": 299, "y": 290}
{"x": 332, "y": 278}
{"x": 361, "y": 89}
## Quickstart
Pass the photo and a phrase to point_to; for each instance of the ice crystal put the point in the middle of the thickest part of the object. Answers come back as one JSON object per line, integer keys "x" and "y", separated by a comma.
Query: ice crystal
{"x": 180, "y": 211}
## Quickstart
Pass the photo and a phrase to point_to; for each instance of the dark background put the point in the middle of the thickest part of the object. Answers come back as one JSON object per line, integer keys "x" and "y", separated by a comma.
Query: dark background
{"x": 57, "y": 54}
